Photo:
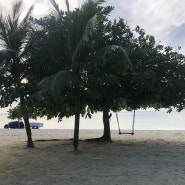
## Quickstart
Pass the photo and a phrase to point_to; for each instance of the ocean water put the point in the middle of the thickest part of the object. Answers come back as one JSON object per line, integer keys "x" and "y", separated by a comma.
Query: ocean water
{"x": 144, "y": 120}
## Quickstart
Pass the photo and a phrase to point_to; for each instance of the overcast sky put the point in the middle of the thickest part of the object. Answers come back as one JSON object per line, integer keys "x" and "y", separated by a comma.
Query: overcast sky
{"x": 165, "y": 19}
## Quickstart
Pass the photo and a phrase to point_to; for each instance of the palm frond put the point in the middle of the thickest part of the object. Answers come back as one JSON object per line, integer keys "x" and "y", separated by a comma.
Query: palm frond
{"x": 3, "y": 33}
{"x": 16, "y": 10}
{"x": 98, "y": 2}
{"x": 89, "y": 30}
{"x": 94, "y": 2}
{"x": 13, "y": 34}
{"x": 55, "y": 5}
{"x": 67, "y": 4}
{"x": 11, "y": 24}
{"x": 55, "y": 85}
{"x": 25, "y": 27}
{"x": 102, "y": 58}
{"x": 7, "y": 54}
{"x": 26, "y": 18}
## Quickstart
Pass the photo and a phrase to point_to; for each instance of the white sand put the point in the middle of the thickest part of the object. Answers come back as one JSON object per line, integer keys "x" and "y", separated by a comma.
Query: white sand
{"x": 147, "y": 158}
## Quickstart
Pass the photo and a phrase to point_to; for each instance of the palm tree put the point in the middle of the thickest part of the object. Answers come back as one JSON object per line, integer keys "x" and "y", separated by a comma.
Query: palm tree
{"x": 80, "y": 26}
{"x": 14, "y": 36}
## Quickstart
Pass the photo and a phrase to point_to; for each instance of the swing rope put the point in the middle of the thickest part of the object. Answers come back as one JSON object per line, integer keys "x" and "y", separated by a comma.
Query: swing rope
{"x": 132, "y": 133}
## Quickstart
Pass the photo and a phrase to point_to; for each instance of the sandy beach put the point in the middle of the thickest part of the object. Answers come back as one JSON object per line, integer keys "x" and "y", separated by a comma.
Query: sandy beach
{"x": 147, "y": 158}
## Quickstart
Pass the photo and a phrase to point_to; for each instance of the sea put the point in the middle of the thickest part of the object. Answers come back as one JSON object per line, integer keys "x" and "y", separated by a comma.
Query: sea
{"x": 148, "y": 119}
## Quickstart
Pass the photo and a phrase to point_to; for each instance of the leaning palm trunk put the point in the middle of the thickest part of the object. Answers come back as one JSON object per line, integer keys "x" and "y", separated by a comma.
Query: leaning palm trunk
{"x": 28, "y": 131}
{"x": 77, "y": 122}
{"x": 27, "y": 124}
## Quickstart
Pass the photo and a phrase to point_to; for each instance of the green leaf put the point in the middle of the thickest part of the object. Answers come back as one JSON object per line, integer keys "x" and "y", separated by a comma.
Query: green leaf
{"x": 55, "y": 85}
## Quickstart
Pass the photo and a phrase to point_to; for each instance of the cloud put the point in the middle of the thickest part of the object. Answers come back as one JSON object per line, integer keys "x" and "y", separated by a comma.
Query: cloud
{"x": 176, "y": 37}
{"x": 158, "y": 17}
{"x": 164, "y": 19}
{"x": 6, "y": 5}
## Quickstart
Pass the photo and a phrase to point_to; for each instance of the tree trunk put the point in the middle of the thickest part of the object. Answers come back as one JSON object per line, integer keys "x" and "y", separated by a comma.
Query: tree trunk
{"x": 28, "y": 132}
{"x": 106, "y": 133}
{"x": 106, "y": 122}
{"x": 26, "y": 122}
{"x": 77, "y": 121}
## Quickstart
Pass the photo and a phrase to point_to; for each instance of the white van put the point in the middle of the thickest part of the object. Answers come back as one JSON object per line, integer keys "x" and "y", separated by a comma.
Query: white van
{"x": 35, "y": 125}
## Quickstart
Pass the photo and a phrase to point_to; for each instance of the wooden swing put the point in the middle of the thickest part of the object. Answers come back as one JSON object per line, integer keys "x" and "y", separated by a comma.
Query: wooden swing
{"x": 132, "y": 133}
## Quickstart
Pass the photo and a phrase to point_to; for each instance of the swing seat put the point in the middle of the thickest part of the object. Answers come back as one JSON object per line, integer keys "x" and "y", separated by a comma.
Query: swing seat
{"x": 131, "y": 133}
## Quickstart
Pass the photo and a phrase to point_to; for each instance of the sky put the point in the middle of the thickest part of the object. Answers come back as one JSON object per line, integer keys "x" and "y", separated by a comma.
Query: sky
{"x": 164, "y": 19}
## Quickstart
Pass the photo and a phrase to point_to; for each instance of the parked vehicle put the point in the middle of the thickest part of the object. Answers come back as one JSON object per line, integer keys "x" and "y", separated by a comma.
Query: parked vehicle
{"x": 15, "y": 124}
{"x": 20, "y": 125}
{"x": 35, "y": 125}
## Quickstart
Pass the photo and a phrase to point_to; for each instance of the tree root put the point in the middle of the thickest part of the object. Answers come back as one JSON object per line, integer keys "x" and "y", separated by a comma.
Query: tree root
{"x": 30, "y": 144}
{"x": 100, "y": 139}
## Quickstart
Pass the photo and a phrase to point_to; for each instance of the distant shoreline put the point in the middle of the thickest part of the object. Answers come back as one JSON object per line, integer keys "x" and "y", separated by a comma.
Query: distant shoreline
{"x": 145, "y": 120}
